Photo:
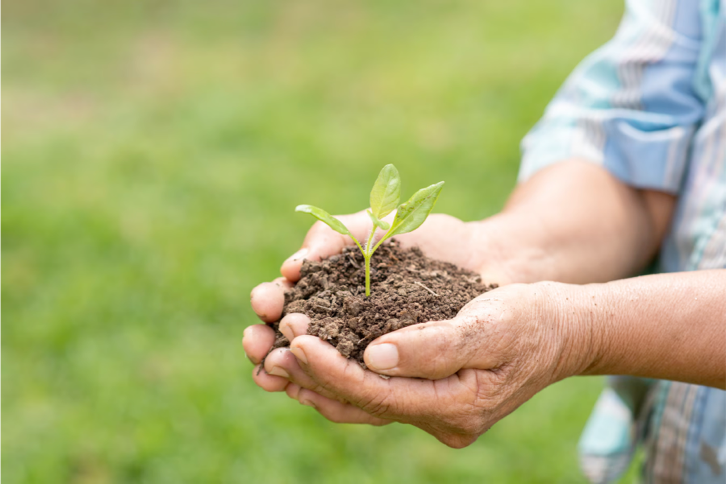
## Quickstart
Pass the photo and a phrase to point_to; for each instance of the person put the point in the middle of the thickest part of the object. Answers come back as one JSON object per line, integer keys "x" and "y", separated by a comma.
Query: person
{"x": 627, "y": 165}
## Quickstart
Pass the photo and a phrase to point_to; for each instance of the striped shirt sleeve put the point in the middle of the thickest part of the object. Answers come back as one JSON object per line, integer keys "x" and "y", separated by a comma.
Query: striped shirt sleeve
{"x": 632, "y": 106}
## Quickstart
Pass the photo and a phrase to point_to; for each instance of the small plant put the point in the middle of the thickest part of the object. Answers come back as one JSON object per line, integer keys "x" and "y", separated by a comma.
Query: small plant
{"x": 385, "y": 195}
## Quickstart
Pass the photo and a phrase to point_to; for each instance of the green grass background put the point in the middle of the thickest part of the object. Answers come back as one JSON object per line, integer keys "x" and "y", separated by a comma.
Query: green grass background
{"x": 153, "y": 154}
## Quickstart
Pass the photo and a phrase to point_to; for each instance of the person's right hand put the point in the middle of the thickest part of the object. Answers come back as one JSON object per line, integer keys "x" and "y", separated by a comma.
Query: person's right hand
{"x": 441, "y": 237}
{"x": 454, "y": 378}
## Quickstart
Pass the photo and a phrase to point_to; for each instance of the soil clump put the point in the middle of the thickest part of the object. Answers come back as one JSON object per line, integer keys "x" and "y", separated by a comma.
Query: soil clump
{"x": 406, "y": 288}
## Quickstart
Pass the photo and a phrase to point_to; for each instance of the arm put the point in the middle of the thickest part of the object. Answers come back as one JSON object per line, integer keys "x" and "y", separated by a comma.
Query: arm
{"x": 574, "y": 222}
{"x": 630, "y": 108}
{"x": 667, "y": 326}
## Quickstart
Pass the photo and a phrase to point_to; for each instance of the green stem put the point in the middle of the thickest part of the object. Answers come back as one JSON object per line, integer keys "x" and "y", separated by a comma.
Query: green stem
{"x": 358, "y": 244}
{"x": 368, "y": 264}
{"x": 368, "y": 275}
{"x": 367, "y": 255}
{"x": 369, "y": 242}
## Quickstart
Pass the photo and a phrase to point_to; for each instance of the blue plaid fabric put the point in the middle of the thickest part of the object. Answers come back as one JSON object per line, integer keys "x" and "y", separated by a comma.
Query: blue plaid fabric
{"x": 650, "y": 107}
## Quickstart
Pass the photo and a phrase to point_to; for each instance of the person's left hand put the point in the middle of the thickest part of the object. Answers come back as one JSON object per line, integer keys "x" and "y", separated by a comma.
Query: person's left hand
{"x": 454, "y": 379}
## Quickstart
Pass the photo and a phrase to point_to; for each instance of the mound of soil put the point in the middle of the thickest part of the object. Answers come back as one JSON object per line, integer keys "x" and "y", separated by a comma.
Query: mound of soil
{"x": 406, "y": 288}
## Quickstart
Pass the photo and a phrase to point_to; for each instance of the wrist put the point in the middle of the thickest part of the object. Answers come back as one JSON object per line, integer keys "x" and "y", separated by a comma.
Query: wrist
{"x": 588, "y": 327}
{"x": 578, "y": 345}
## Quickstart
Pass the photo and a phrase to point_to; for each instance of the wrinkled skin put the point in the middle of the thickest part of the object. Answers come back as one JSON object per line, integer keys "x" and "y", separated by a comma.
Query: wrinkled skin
{"x": 453, "y": 379}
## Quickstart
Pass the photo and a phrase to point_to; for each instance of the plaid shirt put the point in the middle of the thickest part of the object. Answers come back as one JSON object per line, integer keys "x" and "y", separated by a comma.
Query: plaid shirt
{"x": 650, "y": 107}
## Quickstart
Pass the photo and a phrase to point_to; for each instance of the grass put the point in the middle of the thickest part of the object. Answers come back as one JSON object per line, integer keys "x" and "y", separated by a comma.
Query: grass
{"x": 154, "y": 152}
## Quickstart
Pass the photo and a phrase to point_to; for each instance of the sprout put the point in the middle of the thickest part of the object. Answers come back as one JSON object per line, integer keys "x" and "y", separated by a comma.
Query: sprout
{"x": 385, "y": 195}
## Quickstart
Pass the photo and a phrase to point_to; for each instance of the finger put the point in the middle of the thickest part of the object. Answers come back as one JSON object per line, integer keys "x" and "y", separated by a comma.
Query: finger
{"x": 290, "y": 269}
{"x": 333, "y": 410}
{"x": 283, "y": 283}
{"x": 281, "y": 362}
{"x": 269, "y": 383}
{"x": 294, "y": 325}
{"x": 431, "y": 350}
{"x": 336, "y": 411}
{"x": 257, "y": 341}
{"x": 445, "y": 408}
{"x": 293, "y": 390}
{"x": 322, "y": 242}
{"x": 267, "y": 301}
{"x": 397, "y": 398}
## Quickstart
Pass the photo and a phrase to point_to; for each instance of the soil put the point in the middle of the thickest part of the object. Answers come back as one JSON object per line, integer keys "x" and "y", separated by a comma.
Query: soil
{"x": 406, "y": 288}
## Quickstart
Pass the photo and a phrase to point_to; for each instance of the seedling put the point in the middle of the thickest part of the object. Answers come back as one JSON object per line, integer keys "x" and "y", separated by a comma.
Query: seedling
{"x": 385, "y": 195}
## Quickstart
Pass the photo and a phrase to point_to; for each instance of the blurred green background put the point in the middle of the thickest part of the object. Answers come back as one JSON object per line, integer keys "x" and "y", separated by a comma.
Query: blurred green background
{"x": 154, "y": 152}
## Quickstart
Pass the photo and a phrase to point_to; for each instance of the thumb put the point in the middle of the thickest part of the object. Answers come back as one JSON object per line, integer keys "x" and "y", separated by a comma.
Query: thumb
{"x": 431, "y": 350}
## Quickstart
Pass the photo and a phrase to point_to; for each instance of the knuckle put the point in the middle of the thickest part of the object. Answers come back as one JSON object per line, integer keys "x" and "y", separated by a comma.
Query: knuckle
{"x": 322, "y": 387}
{"x": 321, "y": 390}
{"x": 437, "y": 365}
{"x": 376, "y": 405}
{"x": 314, "y": 386}
{"x": 486, "y": 402}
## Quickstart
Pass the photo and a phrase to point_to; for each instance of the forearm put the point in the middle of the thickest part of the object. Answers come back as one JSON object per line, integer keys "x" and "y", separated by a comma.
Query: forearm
{"x": 666, "y": 326}
{"x": 574, "y": 222}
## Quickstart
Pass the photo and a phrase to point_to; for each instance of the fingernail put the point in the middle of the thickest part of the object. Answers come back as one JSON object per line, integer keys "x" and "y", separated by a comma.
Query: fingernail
{"x": 382, "y": 357}
{"x": 299, "y": 354}
{"x": 277, "y": 371}
{"x": 286, "y": 330}
{"x": 300, "y": 254}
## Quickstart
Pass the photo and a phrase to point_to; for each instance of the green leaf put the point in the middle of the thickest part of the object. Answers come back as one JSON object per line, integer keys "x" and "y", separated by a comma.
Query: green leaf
{"x": 378, "y": 223}
{"x": 413, "y": 213}
{"x": 386, "y": 192}
{"x": 324, "y": 217}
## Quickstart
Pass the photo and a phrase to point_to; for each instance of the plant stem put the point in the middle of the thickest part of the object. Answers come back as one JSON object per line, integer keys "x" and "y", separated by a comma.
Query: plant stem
{"x": 369, "y": 242}
{"x": 358, "y": 244}
{"x": 367, "y": 256}
{"x": 368, "y": 275}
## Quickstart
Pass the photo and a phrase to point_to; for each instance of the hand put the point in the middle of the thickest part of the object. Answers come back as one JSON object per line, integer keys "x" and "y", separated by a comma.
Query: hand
{"x": 441, "y": 237}
{"x": 471, "y": 371}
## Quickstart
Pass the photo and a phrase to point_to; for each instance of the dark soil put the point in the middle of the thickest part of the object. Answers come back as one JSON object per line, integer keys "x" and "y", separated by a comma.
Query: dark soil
{"x": 406, "y": 288}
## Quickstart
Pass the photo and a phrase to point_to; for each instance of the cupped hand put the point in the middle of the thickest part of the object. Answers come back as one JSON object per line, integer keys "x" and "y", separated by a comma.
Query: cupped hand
{"x": 441, "y": 237}
{"x": 453, "y": 379}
